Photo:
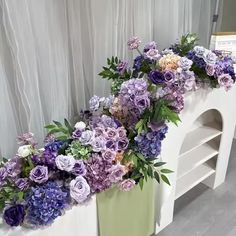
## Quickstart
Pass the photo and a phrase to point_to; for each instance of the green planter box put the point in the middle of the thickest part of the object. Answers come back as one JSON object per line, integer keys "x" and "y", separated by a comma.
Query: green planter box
{"x": 127, "y": 213}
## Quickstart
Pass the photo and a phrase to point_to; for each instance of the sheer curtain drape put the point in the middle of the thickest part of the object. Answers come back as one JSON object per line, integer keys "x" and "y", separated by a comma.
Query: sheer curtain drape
{"x": 52, "y": 50}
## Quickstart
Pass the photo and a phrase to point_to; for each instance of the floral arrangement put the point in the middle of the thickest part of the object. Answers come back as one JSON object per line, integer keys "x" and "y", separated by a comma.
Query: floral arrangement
{"x": 117, "y": 142}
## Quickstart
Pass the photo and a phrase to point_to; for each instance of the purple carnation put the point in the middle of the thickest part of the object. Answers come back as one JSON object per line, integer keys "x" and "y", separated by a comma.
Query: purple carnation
{"x": 79, "y": 189}
{"x": 39, "y": 174}
{"x": 156, "y": 77}
{"x": 14, "y": 215}
{"x": 126, "y": 185}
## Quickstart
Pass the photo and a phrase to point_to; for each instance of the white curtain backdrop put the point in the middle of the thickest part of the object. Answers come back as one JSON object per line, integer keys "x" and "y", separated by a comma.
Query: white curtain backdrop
{"x": 52, "y": 50}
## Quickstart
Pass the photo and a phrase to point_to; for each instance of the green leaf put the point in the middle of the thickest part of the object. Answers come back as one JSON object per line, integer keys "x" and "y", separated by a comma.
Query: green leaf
{"x": 139, "y": 124}
{"x": 53, "y": 131}
{"x": 165, "y": 179}
{"x": 20, "y": 195}
{"x": 159, "y": 164}
{"x": 50, "y": 126}
{"x": 150, "y": 171}
{"x": 69, "y": 127}
{"x": 166, "y": 171}
{"x": 57, "y": 123}
{"x": 141, "y": 183}
{"x": 157, "y": 177}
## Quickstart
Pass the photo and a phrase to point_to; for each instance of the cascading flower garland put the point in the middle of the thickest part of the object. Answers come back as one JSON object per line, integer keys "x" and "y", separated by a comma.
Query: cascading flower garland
{"x": 116, "y": 142}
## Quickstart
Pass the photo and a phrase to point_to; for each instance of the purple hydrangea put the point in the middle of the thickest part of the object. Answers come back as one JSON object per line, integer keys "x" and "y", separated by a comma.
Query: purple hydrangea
{"x": 79, "y": 189}
{"x": 138, "y": 62}
{"x": 149, "y": 144}
{"x": 98, "y": 173}
{"x": 45, "y": 203}
{"x": 39, "y": 174}
{"x": 14, "y": 215}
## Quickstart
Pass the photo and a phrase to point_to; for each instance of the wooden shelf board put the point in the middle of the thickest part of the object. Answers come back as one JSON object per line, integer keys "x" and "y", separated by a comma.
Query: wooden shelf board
{"x": 196, "y": 157}
{"x": 199, "y": 136}
{"x": 193, "y": 178}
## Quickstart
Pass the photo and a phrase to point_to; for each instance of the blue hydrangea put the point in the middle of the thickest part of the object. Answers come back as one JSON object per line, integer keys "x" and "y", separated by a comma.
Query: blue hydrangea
{"x": 45, "y": 203}
{"x": 149, "y": 144}
{"x": 197, "y": 60}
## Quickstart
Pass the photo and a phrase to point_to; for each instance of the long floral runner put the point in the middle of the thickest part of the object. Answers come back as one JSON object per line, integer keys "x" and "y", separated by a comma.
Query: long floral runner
{"x": 117, "y": 141}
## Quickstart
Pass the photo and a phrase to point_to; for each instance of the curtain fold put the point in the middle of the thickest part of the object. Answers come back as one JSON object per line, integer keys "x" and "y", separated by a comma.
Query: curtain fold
{"x": 51, "y": 52}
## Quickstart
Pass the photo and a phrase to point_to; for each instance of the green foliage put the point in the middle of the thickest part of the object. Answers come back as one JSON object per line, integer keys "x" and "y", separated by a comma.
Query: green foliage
{"x": 61, "y": 131}
{"x": 79, "y": 151}
{"x": 186, "y": 44}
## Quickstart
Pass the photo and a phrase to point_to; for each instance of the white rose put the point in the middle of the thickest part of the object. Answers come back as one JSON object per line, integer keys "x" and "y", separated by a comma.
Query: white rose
{"x": 24, "y": 151}
{"x": 80, "y": 125}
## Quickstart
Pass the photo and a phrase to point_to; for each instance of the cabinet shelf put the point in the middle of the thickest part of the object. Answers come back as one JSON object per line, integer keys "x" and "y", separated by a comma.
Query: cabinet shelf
{"x": 199, "y": 136}
{"x": 193, "y": 178}
{"x": 196, "y": 157}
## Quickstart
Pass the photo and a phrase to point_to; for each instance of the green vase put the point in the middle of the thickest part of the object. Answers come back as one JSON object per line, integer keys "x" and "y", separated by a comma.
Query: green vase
{"x": 127, "y": 213}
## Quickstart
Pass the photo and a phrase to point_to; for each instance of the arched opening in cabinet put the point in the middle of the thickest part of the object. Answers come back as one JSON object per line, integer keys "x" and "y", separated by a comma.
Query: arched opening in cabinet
{"x": 199, "y": 151}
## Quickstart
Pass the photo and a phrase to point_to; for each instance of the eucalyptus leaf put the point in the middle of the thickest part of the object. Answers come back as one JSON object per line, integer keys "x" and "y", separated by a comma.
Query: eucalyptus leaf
{"x": 165, "y": 179}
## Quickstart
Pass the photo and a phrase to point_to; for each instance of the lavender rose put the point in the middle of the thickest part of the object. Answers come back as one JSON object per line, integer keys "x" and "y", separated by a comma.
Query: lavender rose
{"x": 22, "y": 183}
{"x": 226, "y": 81}
{"x": 79, "y": 168}
{"x": 123, "y": 144}
{"x": 65, "y": 163}
{"x": 142, "y": 102}
{"x": 152, "y": 54}
{"x": 98, "y": 144}
{"x": 79, "y": 189}
{"x": 150, "y": 45}
{"x": 122, "y": 67}
{"x": 109, "y": 155}
{"x": 169, "y": 76}
{"x": 121, "y": 132}
{"x": 111, "y": 133}
{"x": 86, "y": 137}
{"x": 184, "y": 63}
{"x": 39, "y": 174}
{"x": 199, "y": 51}
{"x": 77, "y": 134}
{"x": 116, "y": 173}
{"x": 94, "y": 103}
{"x": 210, "y": 70}
{"x": 14, "y": 215}
{"x": 133, "y": 43}
{"x": 126, "y": 185}
{"x": 210, "y": 57}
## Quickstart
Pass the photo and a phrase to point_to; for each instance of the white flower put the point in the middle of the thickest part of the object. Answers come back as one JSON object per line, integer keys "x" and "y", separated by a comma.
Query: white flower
{"x": 80, "y": 125}
{"x": 24, "y": 151}
{"x": 66, "y": 163}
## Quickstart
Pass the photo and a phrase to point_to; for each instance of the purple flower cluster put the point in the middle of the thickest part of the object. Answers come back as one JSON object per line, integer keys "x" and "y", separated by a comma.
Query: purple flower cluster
{"x": 45, "y": 203}
{"x": 149, "y": 144}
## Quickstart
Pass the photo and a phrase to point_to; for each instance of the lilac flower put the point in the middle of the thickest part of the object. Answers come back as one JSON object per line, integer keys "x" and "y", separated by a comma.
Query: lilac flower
{"x": 39, "y": 174}
{"x": 226, "y": 81}
{"x": 150, "y": 45}
{"x": 152, "y": 54}
{"x": 122, "y": 67}
{"x": 210, "y": 57}
{"x": 169, "y": 77}
{"x": 210, "y": 69}
{"x": 185, "y": 63}
{"x": 133, "y": 43}
{"x": 45, "y": 203}
{"x": 97, "y": 173}
{"x": 126, "y": 185}
{"x": 65, "y": 163}
{"x": 94, "y": 103}
{"x": 22, "y": 183}
{"x": 79, "y": 168}
{"x": 79, "y": 189}
{"x": 14, "y": 215}
{"x": 87, "y": 137}
{"x": 27, "y": 139}
{"x": 109, "y": 155}
{"x": 156, "y": 77}
{"x": 116, "y": 173}
{"x": 98, "y": 144}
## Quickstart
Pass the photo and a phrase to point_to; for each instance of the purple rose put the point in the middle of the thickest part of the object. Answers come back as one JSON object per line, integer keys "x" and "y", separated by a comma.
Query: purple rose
{"x": 133, "y": 43}
{"x": 123, "y": 144}
{"x": 210, "y": 57}
{"x": 142, "y": 102}
{"x": 22, "y": 183}
{"x": 94, "y": 103}
{"x": 99, "y": 131}
{"x": 39, "y": 174}
{"x": 150, "y": 45}
{"x": 116, "y": 173}
{"x": 156, "y": 77}
{"x": 98, "y": 144}
{"x": 199, "y": 51}
{"x": 3, "y": 175}
{"x": 112, "y": 145}
{"x": 152, "y": 54}
{"x": 14, "y": 215}
{"x": 13, "y": 167}
{"x": 86, "y": 137}
{"x": 77, "y": 134}
{"x": 65, "y": 163}
{"x": 126, "y": 185}
{"x": 107, "y": 121}
{"x": 109, "y": 155}
{"x": 226, "y": 81}
{"x": 169, "y": 76}
{"x": 79, "y": 189}
{"x": 111, "y": 133}
{"x": 210, "y": 69}
{"x": 122, "y": 132}
{"x": 122, "y": 67}
{"x": 79, "y": 168}
{"x": 185, "y": 63}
